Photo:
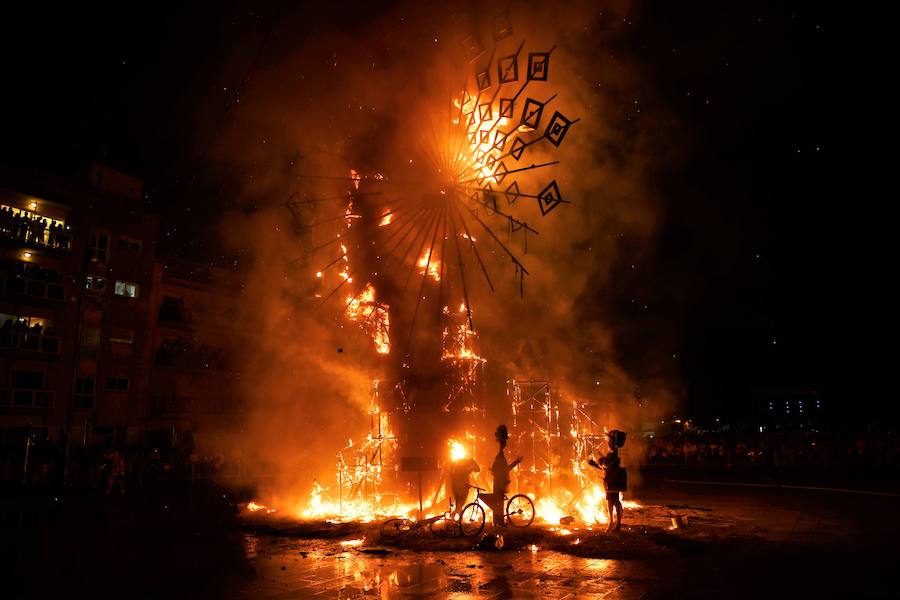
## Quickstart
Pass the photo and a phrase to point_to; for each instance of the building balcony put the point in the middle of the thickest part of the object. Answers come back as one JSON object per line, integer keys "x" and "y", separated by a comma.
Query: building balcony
{"x": 27, "y": 341}
{"x": 46, "y": 239}
{"x": 24, "y": 398}
{"x": 34, "y": 288}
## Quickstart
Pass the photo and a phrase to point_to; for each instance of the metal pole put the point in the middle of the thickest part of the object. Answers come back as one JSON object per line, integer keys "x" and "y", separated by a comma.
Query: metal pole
{"x": 76, "y": 346}
{"x": 420, "y": 496}
{"x": 25, "y": 466}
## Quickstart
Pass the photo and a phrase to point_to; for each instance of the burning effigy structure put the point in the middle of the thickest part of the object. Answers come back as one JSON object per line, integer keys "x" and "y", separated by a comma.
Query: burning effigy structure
{"x": 394, "y": 254}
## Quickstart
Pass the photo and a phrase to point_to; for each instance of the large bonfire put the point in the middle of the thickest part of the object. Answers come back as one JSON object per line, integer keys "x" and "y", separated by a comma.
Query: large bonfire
{"x": 471, "y": 166}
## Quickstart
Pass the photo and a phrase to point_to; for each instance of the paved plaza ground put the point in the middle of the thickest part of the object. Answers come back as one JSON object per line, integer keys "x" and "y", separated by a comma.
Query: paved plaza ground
{"x": 741, "y": 542}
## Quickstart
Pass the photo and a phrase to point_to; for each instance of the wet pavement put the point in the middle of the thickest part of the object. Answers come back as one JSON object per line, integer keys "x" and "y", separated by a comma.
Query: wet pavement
{"x": 740, "y": 543}
{"x": 287, "y": 568}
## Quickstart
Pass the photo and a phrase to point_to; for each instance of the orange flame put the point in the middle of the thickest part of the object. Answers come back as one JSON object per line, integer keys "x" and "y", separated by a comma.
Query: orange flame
{"x": 457, "y": 450}
{"x": 375, "y": 316}
{"x": 430, "y": 265}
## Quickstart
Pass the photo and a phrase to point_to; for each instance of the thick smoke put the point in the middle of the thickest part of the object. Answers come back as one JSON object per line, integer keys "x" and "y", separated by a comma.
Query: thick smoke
{"x": 362, "y": 96}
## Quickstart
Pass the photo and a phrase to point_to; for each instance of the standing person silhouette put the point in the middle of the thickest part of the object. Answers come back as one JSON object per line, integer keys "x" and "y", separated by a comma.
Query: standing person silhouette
{"x": 614, "y": 477}
{"x": 500, "y": 469}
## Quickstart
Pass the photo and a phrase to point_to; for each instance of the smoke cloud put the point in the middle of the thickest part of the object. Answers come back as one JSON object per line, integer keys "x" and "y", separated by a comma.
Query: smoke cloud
{"x": 370, "y": 96}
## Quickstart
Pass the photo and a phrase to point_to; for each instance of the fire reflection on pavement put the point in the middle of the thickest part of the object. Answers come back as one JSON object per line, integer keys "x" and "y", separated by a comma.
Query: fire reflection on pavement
{"x": 307, "y": 567}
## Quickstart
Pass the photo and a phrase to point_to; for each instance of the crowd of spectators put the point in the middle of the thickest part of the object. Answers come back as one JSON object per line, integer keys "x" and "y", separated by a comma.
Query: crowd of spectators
{"x": 33, "y": 229}
{"x": 96, "y": 467}
{"x": 790, "y": 448}
{"x": 18, "y": 332}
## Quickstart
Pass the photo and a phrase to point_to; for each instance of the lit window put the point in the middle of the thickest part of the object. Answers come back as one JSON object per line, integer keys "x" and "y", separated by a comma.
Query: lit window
{"x": 117, "y": 384}
{"x": 95, "y": 283}
{"x": 122, "y": 336}
{"x": 127, "y": 289}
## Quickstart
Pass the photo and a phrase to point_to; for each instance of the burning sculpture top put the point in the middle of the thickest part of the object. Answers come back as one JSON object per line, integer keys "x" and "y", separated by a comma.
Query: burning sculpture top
{"x": 498, "y": 142}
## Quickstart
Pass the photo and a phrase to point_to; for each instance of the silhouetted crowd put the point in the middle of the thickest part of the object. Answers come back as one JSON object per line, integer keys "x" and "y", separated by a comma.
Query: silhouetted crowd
{"x": 107, "y": 468}
{"x": 33, "y": 229}
{"x": 17, "y": 333}
{"x": 797, "y": 448}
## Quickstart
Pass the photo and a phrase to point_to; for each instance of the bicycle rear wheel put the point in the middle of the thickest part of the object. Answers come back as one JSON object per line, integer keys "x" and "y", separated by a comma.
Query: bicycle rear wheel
{"x": 471, "y": 521}
{"x": 445, "y": 528}
{"x": 520, "y": 511}
{"x": 393, "y": 528}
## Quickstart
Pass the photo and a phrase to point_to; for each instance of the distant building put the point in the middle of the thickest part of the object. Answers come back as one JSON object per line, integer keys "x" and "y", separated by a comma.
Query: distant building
{"x": 793, "y": 410}
{"x": 196, "y": 341}
{"x": 37, "y": 314}
{"x": 99, "y": 337}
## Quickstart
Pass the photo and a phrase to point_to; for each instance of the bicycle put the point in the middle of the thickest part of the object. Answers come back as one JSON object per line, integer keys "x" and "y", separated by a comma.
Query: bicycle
{"x": 440, "y": 526}
{"x": 519, "y": 513}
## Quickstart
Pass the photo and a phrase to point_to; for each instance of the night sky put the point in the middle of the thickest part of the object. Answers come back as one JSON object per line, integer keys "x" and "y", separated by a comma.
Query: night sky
{"x": 736, "y": 294}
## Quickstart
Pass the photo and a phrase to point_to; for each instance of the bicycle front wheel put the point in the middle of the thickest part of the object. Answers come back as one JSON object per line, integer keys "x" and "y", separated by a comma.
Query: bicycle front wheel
{"x": 445, "y": 528}
{"x": 393, "y": 528}
{"x": 471, "y": 521}
{"x": 520, "y": 511}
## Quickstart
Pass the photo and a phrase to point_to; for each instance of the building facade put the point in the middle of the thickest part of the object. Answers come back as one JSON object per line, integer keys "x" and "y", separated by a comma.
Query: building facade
{"x": 102, "y": 342}
{"x": 196, "y": 344}
{"x": 75, "y": 306}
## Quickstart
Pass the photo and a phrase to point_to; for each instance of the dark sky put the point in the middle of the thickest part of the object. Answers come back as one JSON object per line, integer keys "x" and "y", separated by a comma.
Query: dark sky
{"x": 737, "y": 292}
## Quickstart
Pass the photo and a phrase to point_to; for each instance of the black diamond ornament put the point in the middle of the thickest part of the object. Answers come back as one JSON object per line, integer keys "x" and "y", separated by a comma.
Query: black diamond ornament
{"x": 549, "y": 198}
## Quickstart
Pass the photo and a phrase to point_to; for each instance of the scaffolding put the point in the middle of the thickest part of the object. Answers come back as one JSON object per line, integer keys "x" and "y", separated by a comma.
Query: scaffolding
{"x": 588, "y": 438}
{"x": 535, "y": 410}
{"x": 361, "y": 468}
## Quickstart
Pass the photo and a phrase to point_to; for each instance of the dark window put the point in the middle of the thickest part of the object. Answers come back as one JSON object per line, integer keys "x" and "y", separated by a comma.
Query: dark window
{"x": 90, "y": 341}
{"x": 90, "y": 336}
{"x": 56, "y": 292}
{"x": 83, "y": 395}
{"x": 98, "y": 246}
{"x": 117, "y": 384}
{"x": 28, "y": 380}
{"x": 171, "y": 309}
{"x": 129, "y": 245}
{"x": 15, "y": 285}
{"x": 36, "y": 288}
{"x": 28, "y": 389}
{"x": 84, "y": 385}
